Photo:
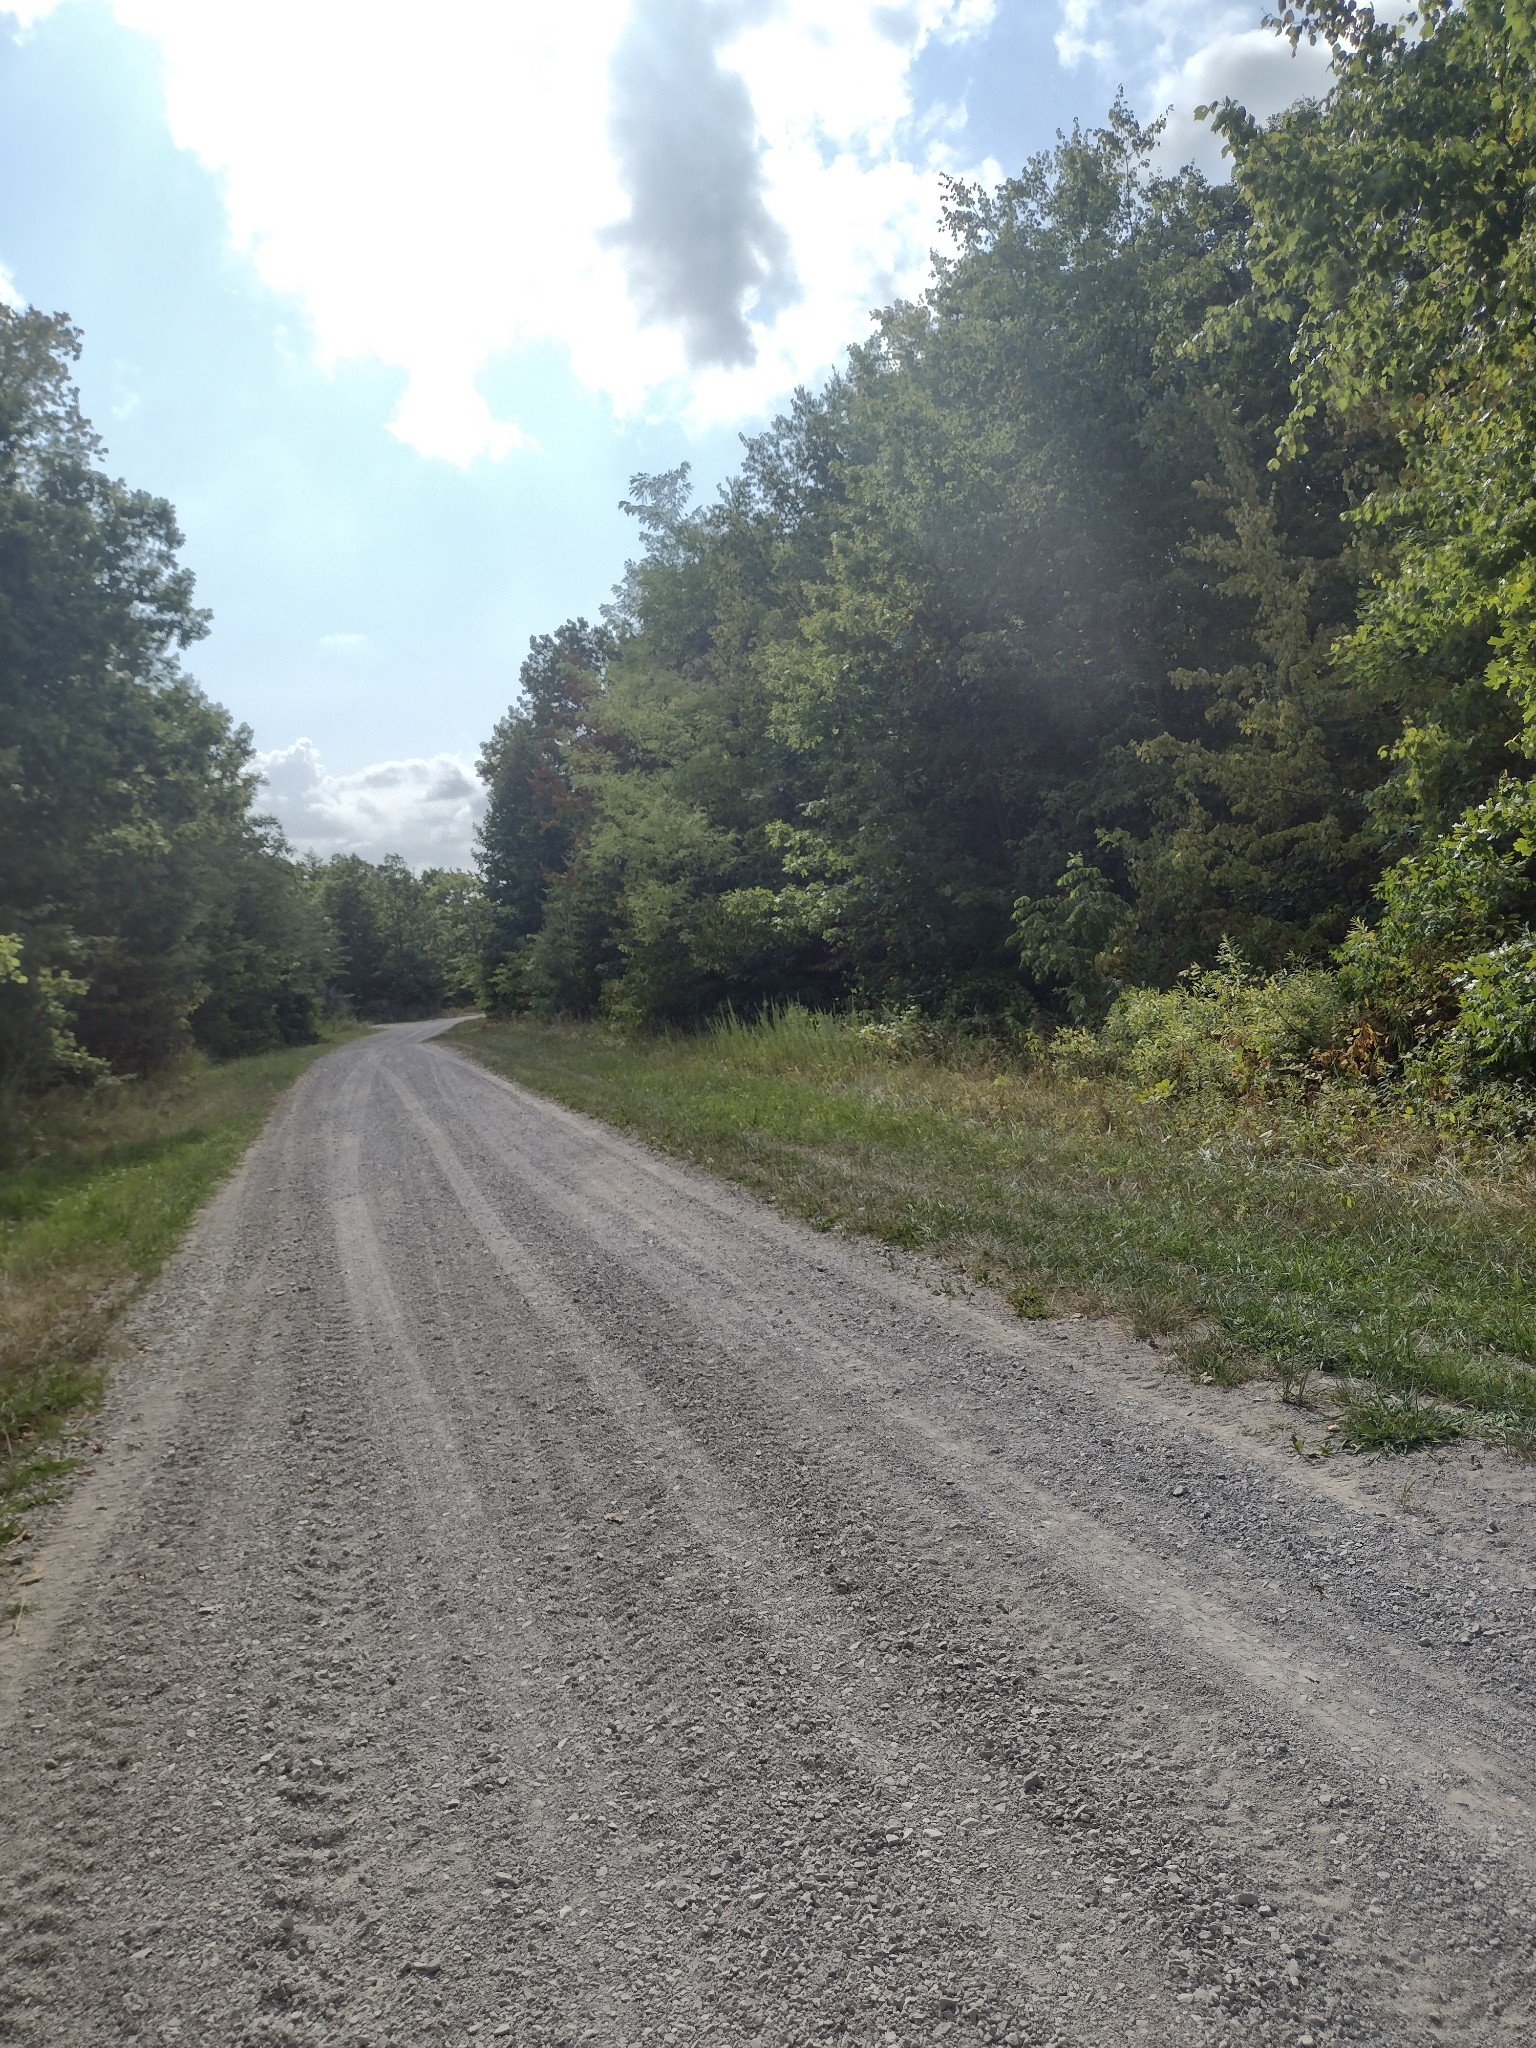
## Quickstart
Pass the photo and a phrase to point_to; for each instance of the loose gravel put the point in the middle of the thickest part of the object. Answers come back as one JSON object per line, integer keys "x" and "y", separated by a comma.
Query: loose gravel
{"x": 532, "y": 1592}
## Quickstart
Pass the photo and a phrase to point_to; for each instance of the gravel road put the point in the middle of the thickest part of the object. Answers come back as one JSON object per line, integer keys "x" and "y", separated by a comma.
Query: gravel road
{"x": 529, "y": 1591}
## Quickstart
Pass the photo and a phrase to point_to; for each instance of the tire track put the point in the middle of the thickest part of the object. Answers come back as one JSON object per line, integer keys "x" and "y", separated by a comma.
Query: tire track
{"x": 534, "y": 1593}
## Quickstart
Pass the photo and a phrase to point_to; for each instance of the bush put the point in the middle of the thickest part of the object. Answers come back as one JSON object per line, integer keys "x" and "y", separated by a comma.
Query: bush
{"x": 1064, "y": 941}
{"x": 1224, "y": 1030}
{"x": 1447, "y": 974}
{"x": 1495, "y": 1029}
{"x": 38, "y": 1047}
{"x": 905, "y": 1034}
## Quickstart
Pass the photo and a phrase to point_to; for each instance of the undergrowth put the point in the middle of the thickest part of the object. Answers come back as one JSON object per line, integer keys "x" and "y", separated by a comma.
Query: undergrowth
{"x": 99, "y": 1190}
{"x": 1325, "y": 1237}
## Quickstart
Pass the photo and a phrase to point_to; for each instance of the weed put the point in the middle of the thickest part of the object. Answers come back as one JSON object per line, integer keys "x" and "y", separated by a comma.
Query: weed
{"x": 1295, "y": 1376}
{"x": 1389, "y": 1424}
{"x": 1515, "y": 1434}
{"x": 1028, "y": 1302}
{"x": 1316, "y": 1454}
{"x": 1210, "y": 1356}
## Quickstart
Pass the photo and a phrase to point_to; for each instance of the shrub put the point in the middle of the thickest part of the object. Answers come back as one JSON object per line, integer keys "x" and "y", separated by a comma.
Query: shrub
{"x": 1495, "y": 1028}
{"x": 1447, "y": 974}
{"x": 1065, "y": 941}
{"x": 1224, "y": 1029}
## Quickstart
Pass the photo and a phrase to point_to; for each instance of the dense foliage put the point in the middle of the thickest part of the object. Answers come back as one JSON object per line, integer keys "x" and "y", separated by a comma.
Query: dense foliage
{"x": 1158, "y": 591}
{"x": 404, "y": 945}
{"x": 145, "y": 906}
{"x": 136, "y": 887}
{"x": 1137, "y": 635}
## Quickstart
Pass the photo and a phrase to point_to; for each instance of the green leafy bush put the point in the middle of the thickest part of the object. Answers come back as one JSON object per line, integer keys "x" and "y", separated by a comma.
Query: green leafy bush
{"x": 906, "y": 1034}
{"x": 1224, "y": 1030}
{"x": 1064, "y": 941}
{"x": 1496, "y": 1029}
{"x": 1447, "y": 974}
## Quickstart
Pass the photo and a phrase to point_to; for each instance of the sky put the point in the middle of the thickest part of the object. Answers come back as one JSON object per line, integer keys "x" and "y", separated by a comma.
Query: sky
{"x": 391, "y": 300}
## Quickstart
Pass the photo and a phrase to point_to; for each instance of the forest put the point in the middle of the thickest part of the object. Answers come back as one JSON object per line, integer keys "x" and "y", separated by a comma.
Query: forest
{"x": 1139, "y": 627}
{"x": 1132, "y": 647}
{"x": 147, "y": 907}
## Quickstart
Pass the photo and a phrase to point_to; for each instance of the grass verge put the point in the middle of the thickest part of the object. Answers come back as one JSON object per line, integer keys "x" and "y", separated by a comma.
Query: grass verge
{"x": 103, "y": 1192}
{"x": 1396, "y": 1269}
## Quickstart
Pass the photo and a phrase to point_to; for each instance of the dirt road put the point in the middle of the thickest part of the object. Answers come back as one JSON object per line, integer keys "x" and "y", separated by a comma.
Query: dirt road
{"x": 530, "y": 1592}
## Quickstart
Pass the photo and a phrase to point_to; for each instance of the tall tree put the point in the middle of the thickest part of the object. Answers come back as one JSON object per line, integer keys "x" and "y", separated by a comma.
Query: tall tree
{"x": 116, "y": 774}
{"x": 528, "y": 763}
{"x": 390, "y": 957}
{"x": 266, "y": 948}
{"x": 1396, "y": 225}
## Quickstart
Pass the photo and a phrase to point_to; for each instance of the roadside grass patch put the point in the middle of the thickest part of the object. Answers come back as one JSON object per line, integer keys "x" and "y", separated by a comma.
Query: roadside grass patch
{"x": 103, "y": 1191}
{"x": 1326, "y": 1255}
{"x": 1028, "y": 1302}
{"x": 1388, "y": 1424}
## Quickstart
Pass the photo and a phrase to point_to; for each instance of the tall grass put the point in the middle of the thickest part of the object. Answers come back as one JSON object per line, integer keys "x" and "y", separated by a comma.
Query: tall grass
{"x": 1293, "y": 1238}
{"x": 101, "y": 1193}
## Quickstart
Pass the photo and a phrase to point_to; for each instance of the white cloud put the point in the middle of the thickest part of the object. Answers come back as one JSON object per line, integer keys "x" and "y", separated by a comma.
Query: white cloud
{"x": 434, "y": 187}
{"x": 425, "y": 810}
{"x": 1074, "y": 44}
{"x": 1135, "y": 41}
{"x": 1255, "y": 67}
{"x": 10, "y": 291}
{"x": 845, "y": 174}
{"x": 1172, "y": 56}
{"x": 343, "y": 643}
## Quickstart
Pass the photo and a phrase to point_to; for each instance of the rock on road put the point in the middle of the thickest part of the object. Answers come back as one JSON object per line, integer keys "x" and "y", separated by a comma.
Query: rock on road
{"x": 533, "y": 1592}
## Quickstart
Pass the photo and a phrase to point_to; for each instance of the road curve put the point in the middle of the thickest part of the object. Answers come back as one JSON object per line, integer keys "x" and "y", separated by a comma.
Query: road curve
{"x": 532, "y": 1592}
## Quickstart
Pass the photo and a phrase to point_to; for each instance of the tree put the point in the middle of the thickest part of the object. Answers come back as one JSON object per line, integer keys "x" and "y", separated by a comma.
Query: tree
{"x": 529, "y": 765}
{"x": 1006, "y": 586}
{"x": 460, "y": 919}
{"x": 1395, "y": 225}
{"x": 115, "y": 772}
{"x": 390, "y": 957}
{"x": 266, "y": 948}
{"x": 1143, "y": 590}
{"x": 889, "y": 678}
{"x": 1262, "y": 835}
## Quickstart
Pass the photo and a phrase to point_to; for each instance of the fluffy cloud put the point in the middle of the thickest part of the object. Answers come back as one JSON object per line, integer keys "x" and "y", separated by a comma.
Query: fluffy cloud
{"x": 1175, "y": 55}
{"x": 425, "y": 810}
{"x": 699, "y": 200}
{"x": 10, "y": 292}
{"x": 1255, "y": 67}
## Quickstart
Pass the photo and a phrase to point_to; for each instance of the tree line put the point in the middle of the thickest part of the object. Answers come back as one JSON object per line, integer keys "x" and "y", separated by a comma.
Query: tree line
{"x": 1159, "y": 587}
{"x": 1148, "y": 606}
{"x": 146, "y": 905}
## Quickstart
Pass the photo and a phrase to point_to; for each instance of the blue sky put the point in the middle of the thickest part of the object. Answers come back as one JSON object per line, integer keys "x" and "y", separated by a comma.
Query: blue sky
{"x": 391, "y": 301}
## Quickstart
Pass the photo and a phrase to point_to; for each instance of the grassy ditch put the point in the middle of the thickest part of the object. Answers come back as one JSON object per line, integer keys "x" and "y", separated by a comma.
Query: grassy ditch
{"x": 1383, "y": 1265}
{"x": 101, "y": 1194}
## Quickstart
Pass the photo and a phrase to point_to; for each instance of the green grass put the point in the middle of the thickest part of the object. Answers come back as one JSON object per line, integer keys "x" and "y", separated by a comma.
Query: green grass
{"x": 103, "y": 1191}
{"x": 1385, "y": 1262}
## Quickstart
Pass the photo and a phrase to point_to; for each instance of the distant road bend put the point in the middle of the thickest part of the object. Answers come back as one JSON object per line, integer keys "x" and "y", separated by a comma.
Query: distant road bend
{"x": 532, "y": 1592}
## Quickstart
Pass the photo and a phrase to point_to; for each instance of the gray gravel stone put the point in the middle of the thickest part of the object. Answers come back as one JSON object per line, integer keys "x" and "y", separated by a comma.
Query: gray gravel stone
{"x": 659, "y": 1621}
